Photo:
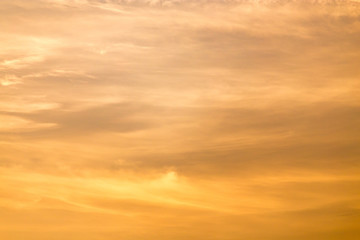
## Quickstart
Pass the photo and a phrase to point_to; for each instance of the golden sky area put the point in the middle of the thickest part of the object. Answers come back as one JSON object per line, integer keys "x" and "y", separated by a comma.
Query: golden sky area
{"x": 179, "y": 120}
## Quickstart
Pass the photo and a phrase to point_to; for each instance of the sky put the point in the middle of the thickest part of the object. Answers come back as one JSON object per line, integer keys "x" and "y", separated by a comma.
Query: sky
{"x": 180, "y": 119}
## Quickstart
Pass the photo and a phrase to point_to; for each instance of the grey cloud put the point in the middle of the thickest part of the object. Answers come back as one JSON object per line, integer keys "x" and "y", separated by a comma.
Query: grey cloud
{"x": 125, "y": 117}
{"x": 295, "y": 138}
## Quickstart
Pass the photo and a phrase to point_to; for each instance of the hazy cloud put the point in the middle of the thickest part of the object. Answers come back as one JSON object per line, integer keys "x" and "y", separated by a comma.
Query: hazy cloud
{"x": 178, "y": 119}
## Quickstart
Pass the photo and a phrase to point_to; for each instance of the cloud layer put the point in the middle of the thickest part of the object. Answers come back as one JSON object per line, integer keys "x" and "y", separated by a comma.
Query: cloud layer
{"x": 179, "y": 119}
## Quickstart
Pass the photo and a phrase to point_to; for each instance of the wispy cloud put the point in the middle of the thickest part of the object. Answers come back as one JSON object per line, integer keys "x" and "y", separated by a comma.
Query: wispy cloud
{"x": 178, "y": 119}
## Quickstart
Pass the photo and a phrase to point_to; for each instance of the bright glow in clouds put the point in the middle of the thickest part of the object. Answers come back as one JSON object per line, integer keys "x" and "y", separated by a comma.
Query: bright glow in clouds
{"x": 176, "y": 119}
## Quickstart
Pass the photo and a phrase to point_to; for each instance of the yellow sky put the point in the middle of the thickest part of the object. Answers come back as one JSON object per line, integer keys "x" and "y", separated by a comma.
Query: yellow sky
{"x": 179, "y": 119}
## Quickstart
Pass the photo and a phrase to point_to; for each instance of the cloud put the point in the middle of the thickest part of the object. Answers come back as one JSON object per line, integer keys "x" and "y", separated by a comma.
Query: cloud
{"x": 15, "y": 124}
{"x": 179, "y": 119}
{"x": 9, "y": 80}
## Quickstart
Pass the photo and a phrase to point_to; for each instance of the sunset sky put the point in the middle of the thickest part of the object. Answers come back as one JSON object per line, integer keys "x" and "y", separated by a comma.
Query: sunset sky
{"x": 179, "y": 120}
